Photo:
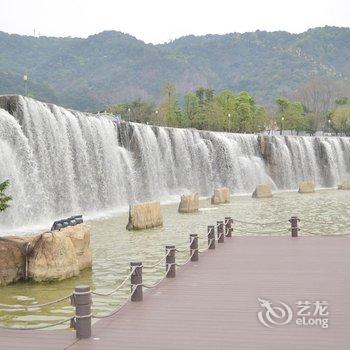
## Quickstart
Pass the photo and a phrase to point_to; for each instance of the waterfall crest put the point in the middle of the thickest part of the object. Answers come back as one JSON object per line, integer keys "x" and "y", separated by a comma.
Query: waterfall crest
{"x": 61, "y": 161}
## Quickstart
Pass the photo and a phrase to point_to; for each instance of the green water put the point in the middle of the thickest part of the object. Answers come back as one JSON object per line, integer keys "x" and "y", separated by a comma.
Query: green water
{"x": 114, "y": 247}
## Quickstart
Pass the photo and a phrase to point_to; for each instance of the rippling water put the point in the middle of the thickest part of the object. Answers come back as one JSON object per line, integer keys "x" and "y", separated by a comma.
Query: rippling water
{"x": 325, "y": 212}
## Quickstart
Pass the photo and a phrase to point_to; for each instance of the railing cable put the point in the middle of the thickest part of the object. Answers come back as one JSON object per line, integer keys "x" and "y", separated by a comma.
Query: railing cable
{"x": 117, "y": 288}
{"x": 158, "y": 262}
{"x": 115, "y": 311}
{"x": 259, "y": 223}
{"x": 37, "y": 327}
{"x": 185, "y": 262}
{"x": 35, "y": 306}
{"x": 187, "y": 247}
{"x": 149, "y": 286}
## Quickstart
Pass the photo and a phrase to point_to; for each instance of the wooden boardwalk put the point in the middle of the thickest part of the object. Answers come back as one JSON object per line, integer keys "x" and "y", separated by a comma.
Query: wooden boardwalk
{"x": 213, "y": 303}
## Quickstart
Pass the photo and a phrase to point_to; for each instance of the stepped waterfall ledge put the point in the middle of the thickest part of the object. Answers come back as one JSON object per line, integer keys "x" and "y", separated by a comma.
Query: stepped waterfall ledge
{"x": 61, "y": 161}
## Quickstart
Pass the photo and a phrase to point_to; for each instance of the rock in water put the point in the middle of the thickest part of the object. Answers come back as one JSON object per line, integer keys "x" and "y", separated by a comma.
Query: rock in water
{"x": 345, "y": 185}
{"x": 11, "y": 261}
{"x": 306, "y": 187}
{"x": 53, "y": 258}
{"x": 144, "y": 215}
{"x": 262, "y": 191}
{"x": 221, "y": 196}
{"x": 80, "y": 237}
{"x": 189, "y": 203}
{"x": 55, "y": 255}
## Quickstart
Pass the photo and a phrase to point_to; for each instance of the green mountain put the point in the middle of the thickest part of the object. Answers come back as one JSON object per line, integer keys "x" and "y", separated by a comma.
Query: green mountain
{"x": 113, "y": 67}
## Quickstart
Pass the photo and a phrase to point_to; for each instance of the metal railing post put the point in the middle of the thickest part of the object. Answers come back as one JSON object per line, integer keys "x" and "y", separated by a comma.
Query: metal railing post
{"x": 82, "y": 301}
{"x": 211, "y": 237}
{"x": 294, "y": 226}
{"x": 136, "y": 281}
{"x": 221, "y": 236}
{"x": 228, "y": 226}
{"x": 170, "y": 261}
{"x": 194, "y": 246}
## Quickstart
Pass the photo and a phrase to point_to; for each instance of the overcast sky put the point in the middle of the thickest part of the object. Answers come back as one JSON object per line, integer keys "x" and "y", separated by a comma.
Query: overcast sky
{"x": 161, "y": 20}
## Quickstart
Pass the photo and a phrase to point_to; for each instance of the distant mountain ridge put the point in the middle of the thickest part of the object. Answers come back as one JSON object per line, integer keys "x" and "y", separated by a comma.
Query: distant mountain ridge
{"x": 112, "y": 67}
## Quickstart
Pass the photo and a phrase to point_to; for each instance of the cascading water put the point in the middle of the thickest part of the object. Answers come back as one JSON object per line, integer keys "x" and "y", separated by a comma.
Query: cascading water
{"x": 61, "y": 162}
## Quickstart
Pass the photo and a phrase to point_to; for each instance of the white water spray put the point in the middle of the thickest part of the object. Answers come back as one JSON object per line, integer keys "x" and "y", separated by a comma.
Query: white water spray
{"x": 61, "y": 162}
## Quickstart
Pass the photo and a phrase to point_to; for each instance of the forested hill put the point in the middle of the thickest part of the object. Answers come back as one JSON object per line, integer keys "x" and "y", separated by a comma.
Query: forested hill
{"x": 113, "y": 67}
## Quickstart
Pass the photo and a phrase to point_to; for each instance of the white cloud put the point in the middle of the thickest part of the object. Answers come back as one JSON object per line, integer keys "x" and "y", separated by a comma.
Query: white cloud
{"x": 160, "y": 20}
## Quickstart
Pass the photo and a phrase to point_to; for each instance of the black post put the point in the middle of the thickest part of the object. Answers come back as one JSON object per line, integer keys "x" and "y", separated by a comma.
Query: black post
{"x": 228, "y": 226}
{"x": 211, "y": 237}
{"x": 231, "y": 228}
{"x": 194, "y": 246}
{"x": 82, "y": 302}
{"x": 136, "y": 281}
{"x": 221, "y": 236}
{"x": 170, "y": 261}
{"x": 294, "y": 224}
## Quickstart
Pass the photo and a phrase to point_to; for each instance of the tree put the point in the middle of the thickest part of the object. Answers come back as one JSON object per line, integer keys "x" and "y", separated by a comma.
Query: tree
{"x": 191, "y": 108}
{"x": 291, "y": 115}
{"x": 201, "y": 109}
{"x": 341, "y": 101}
{"x": 340, "y": 119}
{"x": 320, "y": 96}
{"x": 169, "y": 108}
{"x": 135, "y": 111}
{"x": 227, "y": 102}
{"x": 4, "y": 199}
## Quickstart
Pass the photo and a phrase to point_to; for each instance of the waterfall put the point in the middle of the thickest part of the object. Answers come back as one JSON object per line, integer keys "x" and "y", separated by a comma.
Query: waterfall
{"x": 61, "y": 162}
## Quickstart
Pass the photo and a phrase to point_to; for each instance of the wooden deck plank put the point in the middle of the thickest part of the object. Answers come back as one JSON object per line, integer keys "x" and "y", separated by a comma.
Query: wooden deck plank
{"x": 55, "y": 340}
{"x": 213, "y": 303}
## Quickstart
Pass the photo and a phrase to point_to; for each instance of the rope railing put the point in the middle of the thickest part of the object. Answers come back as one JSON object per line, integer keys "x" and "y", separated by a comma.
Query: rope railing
{"x": 149, "y": 286}
{"x": 115, "y": 311}
{"x": 81, "y": 298}
{"x": 189, "y": 259}
{"x": 201, "y": 251}
{"x": 157, "y": 263}
{"x": 318, "y": 222}
{"x": 115, "y": 289}
{"x": 259, "y": 223}
{"x": 35, "y": 328}
{"x": 35, "y": 306}
{"x": 262, "y": 232}
{"x": 186, "y": 248}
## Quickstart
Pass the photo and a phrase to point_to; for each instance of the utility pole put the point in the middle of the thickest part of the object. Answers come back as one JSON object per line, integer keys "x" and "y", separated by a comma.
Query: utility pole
{"x": 25, "y": 79}
{"x": 129, "y": 112}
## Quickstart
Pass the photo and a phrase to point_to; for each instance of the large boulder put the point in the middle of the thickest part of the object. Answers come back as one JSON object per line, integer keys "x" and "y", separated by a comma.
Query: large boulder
{"x": 262, "y": 191}
{"x": 189, "y": 203}
{"x": 221, "y": 196}
{"x": 80, "y": 237}
{"x": 11, "y": 261}
{"x": 144, "y": 215}
{"x": 53, "y": 258}
{"x": 306, "y": 187}
{"x": 345, "y": 185}
{"x": 55, "y": 255}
